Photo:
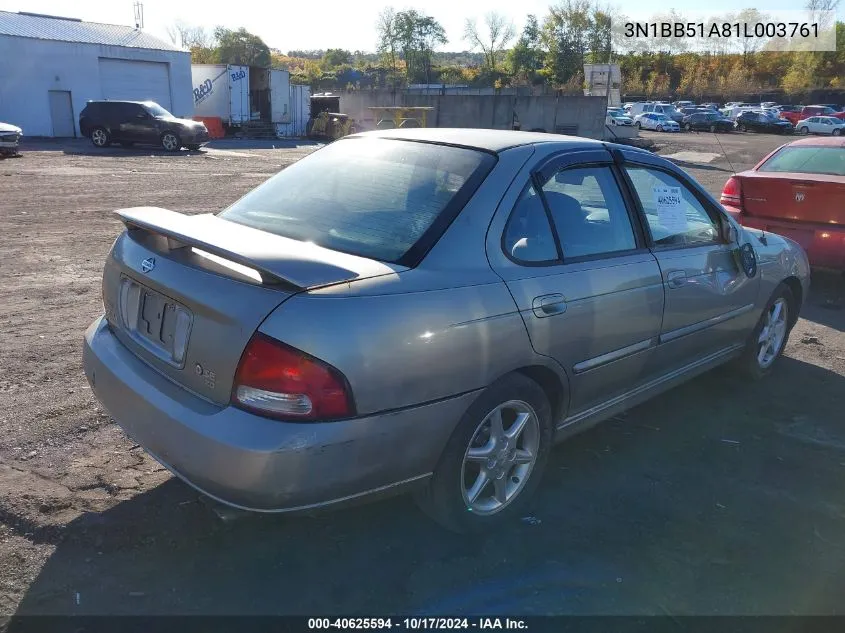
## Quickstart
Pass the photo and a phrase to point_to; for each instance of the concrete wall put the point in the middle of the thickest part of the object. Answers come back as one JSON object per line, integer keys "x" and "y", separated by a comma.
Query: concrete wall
{"x": 29, "y": 68}
{"x": 584, "y": 116}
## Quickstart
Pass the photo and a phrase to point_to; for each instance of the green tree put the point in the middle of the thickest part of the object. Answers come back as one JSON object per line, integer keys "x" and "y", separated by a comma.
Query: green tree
{"x": 241, "y": 47}
{"x": 565, "y": 37}
{"x": 334, "y": 57}
{"x": 526, "y": 57}
{"x": 416, "y": 37}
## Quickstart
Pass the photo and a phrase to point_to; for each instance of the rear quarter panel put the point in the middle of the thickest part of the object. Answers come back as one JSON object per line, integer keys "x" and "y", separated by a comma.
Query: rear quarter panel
{"x": 447, "y": 327}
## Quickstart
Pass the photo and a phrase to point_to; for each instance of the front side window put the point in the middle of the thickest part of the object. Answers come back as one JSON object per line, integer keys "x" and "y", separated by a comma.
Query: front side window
{"x": 157, "y": 111}
{"x": 589, "y": 213}
{"x": 375, "y": 198}
{"x": 674, "y": 214}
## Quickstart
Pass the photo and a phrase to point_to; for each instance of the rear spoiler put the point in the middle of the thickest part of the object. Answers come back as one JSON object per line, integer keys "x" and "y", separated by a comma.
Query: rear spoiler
{"x": 277, "y": 259}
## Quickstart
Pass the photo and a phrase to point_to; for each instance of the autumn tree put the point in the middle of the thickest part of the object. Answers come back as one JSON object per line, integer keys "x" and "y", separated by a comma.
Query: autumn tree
{"x": 491, "y": 39}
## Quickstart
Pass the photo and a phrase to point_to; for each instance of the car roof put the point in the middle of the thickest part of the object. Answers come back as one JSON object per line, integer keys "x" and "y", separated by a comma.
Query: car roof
{"x": 834, "y": 141}
{"x": 118, "y": 101}
{"x": 478, "y": 138}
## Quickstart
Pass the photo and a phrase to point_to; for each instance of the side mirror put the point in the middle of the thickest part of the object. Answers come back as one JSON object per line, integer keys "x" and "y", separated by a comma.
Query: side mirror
{"x": 729, "y": 233}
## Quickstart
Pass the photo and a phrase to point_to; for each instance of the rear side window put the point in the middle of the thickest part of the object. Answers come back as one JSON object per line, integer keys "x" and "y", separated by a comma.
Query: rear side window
{"x": 808, "y": 160}
{"x": 528, "y": 235}
{"x": 384, "y": 199}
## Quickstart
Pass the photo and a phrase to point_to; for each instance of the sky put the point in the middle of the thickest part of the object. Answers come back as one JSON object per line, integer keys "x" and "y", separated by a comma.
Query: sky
{"x": 299, "y": 24}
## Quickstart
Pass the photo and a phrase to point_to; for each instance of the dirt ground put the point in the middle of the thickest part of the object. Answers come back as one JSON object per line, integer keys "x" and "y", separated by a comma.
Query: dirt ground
{"x": 719, "y": 497}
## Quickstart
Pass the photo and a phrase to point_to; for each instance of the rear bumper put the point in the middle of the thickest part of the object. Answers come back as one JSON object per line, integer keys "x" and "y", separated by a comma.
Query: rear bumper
{"x": 254, "y": 463}
{"x": 824, "y": 245}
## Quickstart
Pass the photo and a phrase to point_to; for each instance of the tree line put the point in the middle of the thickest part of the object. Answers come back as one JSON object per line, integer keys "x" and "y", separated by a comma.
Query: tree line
{"x": 549, "y": 52}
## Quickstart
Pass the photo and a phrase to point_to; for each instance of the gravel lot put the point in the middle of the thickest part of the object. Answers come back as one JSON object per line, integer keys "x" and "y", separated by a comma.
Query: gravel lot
{"x": 719, "y": 497}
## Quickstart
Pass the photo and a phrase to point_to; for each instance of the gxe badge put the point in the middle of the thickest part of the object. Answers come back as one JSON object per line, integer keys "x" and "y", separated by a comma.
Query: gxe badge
{"x": 148, "y": 264}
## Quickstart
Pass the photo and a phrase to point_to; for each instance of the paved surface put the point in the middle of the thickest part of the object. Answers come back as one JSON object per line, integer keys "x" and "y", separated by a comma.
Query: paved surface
{"x": 719, "y": 497}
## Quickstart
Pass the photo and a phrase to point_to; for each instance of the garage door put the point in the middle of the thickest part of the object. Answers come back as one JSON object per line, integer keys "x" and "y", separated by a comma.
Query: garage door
{"x": 135, "y": 81}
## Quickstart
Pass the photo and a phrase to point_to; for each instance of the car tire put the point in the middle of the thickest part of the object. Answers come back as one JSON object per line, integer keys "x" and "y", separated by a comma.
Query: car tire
{"x": 171, "y": 142}
{"x": 446, "y": 497}
{"x": 688, "y": 127}
{"x": 754, "y": 363}
{"x": 659, "y": 128}
{"x": 804, "y": 130}
{"x": 713, "y": 129}
{"x": 100, "y": 137}
{"x": 837, "y": 132}
{"x": 742, "y": 128}
{"x": 637, "y": 124}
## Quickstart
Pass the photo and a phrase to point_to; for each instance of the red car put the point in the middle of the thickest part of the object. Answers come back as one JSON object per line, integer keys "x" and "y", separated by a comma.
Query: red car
{"x": 811, "y": 110}
{"x": 797, "y": 191}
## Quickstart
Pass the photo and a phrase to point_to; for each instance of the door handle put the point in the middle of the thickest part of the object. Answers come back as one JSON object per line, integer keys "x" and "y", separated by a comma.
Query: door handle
{"x": 676, "y": 278}
{"x": 548, "y": 305}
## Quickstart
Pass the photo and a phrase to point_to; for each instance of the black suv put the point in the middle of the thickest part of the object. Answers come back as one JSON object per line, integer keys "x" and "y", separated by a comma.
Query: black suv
{"x": 130, "y": 122}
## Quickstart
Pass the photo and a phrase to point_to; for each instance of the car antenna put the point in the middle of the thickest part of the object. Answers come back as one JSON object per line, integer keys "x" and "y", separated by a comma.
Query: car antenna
{"x": 728, "y": 158}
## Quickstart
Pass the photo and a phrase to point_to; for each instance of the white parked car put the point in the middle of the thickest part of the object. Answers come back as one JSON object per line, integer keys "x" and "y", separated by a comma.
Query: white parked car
{"x": 656, "y": 121}
{"x": 821, "y": 125}
{"x": 617, "y": 116}
{"x": 10, "y": 136}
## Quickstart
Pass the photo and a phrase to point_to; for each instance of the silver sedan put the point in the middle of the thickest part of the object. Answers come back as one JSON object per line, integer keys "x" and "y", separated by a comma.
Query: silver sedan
{"x": 426, "y": 310}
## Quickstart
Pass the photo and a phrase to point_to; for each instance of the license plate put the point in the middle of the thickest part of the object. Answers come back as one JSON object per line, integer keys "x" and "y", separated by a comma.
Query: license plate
{"x": 155, "y": 321}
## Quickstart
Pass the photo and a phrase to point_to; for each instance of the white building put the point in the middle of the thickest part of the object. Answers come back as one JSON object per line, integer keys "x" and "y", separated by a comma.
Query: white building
{"x": 50, "y": 66}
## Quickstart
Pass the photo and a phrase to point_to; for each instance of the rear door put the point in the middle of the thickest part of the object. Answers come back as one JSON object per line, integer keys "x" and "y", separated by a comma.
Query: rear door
{"x": 588, "y": 290}
{"x": 709, "y": 299}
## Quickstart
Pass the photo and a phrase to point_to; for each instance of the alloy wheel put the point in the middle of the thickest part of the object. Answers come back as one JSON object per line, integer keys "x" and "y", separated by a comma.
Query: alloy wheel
{"x": 170, "y": 142}
{"x": 99, "y": 137}
{"x": 500, "y": 457}
{"x": 773, "y": 334}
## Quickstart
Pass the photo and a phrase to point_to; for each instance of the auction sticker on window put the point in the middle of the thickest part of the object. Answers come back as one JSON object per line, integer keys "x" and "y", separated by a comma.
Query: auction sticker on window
{"x": 670, "y": 211}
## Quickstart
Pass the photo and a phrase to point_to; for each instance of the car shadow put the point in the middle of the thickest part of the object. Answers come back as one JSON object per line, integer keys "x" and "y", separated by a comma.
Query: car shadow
{"x": 674, "y": 507}
{"x": 826, "y": 303}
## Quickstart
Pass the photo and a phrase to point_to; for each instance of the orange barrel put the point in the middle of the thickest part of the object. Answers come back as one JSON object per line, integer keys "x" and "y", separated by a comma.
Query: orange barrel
{"x": 214, "y": 125}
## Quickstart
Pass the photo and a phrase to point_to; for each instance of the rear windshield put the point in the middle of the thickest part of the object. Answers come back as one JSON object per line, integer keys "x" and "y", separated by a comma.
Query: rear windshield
{"x": 808, "y": 160}
{"x": 375, "y": 198}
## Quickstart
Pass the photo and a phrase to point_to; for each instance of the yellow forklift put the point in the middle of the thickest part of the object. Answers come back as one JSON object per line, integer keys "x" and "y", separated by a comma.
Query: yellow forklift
{"x": 325, "y": 122}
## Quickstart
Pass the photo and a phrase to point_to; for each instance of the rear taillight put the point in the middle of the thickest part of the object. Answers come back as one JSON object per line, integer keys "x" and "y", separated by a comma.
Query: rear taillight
{"x": 276, "y": 380}
{"x": 732, "y": 194}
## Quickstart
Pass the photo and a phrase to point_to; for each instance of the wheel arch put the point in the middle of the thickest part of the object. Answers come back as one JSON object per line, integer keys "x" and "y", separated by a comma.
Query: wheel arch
{"x": 552, "y": 384}
{"x": 797, "y": 291}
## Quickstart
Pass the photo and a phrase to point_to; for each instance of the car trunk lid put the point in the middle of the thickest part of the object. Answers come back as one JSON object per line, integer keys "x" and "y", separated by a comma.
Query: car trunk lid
{"x": 813, "y": 198}
{"x": 186, "y": 293}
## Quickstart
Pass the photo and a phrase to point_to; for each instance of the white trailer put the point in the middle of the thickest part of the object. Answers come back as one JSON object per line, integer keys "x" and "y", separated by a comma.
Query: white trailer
{"x": 221, "y": 90}
{"x": 279, "y": 96}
